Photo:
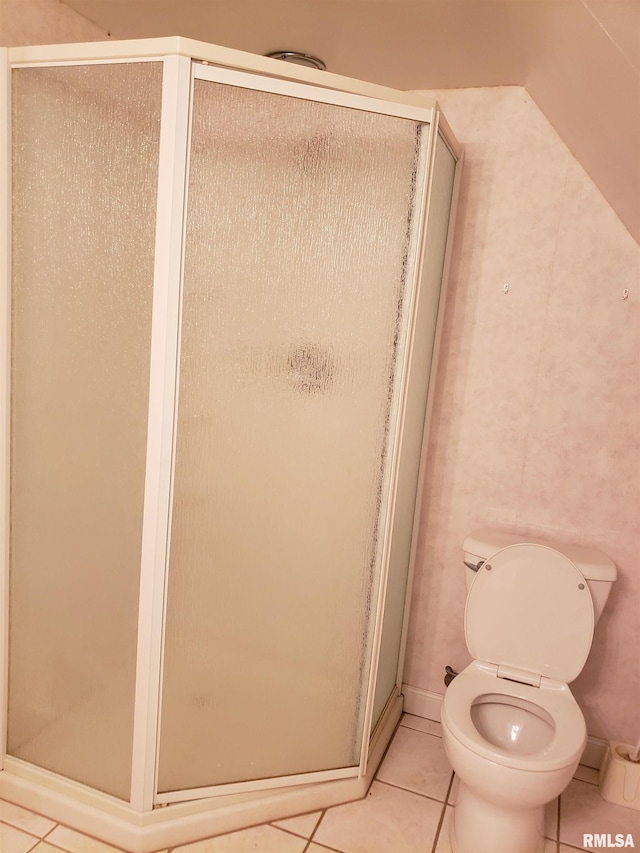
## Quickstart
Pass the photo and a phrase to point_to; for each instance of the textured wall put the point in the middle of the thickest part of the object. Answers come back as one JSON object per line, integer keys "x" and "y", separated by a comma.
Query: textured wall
{"x": 24, "y": 22}
{"x": 536, "y": 417}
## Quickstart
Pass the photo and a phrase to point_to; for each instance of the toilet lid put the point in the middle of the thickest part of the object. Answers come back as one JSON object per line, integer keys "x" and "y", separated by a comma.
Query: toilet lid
{"x": 529, "y": 608}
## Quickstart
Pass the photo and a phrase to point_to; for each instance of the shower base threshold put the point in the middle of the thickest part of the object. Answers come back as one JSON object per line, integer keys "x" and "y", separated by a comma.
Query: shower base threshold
{"x": 113, "y": 821}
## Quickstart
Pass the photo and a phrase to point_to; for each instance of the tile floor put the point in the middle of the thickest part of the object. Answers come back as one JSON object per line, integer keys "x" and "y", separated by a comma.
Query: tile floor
{"x": 407, "y": 810}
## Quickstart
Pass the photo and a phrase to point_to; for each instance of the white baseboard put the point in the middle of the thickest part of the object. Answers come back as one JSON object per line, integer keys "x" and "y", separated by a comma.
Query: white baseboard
{"x": 424, "y": 703}
{"x": 594, "y": 752}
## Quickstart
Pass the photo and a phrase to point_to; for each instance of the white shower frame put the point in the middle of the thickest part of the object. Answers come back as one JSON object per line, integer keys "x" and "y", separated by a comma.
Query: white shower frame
{"x": 140, "y": 825}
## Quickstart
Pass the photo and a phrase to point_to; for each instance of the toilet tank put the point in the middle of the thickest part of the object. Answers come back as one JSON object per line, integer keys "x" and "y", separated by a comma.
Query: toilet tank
{"x": 597, "y": 568}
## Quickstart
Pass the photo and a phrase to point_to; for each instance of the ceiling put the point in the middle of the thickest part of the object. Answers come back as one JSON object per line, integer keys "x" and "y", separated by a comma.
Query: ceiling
{"x": 578, "y": 59}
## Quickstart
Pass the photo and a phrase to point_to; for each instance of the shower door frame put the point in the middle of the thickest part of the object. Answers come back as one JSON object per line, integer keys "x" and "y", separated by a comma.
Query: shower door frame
{"x": 182, "y": 58}
{"x": 163, "y": 394}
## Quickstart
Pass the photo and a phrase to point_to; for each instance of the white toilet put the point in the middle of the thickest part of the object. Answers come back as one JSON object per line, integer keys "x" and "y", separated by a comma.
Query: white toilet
{"x": 511, "y": 728}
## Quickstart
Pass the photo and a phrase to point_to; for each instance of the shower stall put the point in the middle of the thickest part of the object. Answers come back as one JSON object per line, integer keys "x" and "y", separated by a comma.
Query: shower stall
{"x": 220, "y": 313}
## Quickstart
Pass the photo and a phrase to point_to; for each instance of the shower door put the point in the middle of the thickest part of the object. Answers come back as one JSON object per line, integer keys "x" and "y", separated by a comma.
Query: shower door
{"x": 301, "y": 220}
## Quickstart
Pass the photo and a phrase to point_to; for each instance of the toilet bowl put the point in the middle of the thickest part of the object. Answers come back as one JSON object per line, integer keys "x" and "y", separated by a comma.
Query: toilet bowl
{"x": 514, "y": 747}
{"x": 511, "y": 727}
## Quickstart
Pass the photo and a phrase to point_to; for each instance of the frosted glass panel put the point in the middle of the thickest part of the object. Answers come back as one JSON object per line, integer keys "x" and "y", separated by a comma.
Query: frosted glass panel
{"x": 413, "y": 427}
{"x": 85, "y": 159}
{"x": 297, "y": 238}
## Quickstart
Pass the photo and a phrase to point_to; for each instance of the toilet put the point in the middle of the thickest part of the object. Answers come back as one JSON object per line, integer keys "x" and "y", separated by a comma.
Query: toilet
{"x": 511, "y": 728}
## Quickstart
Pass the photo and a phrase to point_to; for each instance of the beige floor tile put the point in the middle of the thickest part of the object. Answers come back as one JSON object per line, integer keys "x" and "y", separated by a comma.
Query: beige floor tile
{"x": 302, "y": 825}
{"x": 13, "y": 840}
{"x": 388, "y": 819}
{"x": 24, "y": 819}
{"x": 76, "y": 842}
{"x": 257, "y": 839}
{"x": 582, "y": 810}
{"x": 318, "y": 848}
{"x": 421, "y": 724}
{"x": 417, "y": 761}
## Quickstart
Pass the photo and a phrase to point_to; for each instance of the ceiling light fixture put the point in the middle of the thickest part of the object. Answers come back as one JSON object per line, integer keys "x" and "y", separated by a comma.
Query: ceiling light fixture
{"x": 298, "y": 58}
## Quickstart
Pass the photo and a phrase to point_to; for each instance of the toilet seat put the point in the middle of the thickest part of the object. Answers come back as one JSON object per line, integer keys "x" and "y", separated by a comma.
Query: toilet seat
{"x": 479, "y": 679}
{"x": 529, "y": 610}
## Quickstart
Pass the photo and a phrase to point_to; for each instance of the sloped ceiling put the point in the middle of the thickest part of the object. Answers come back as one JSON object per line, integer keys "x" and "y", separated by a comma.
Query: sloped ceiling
{"x": 578, "y": 59}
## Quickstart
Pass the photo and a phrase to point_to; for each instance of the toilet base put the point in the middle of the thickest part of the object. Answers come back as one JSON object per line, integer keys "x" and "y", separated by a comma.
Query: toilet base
{"x": 478, "y": 826}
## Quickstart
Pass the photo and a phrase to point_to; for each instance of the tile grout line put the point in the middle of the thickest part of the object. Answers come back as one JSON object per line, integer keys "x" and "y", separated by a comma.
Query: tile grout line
{"x": 310, "y": 840}
{"x": 558, "y": 825}
{"x": 28, "y": 811}
{"x": 81, "y": 833}
{"x": 47, "y": 834}
{"x": 56, "y": 846}
{"x": 20, "y": 829}
{"x": 278, "y": 829}
{"x": 416, "y": 728}
{"x": 315, "y": 828}
{"x": 442, "y": 815}
{"x": 33, "y": 846}
{"x": 412, "y": 791}
{"x": 420, "y": 731}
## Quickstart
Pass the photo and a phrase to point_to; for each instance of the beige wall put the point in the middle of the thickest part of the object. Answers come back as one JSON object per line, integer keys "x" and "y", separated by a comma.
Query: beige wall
{"x": 581, "y": 65}
{"x": 24, "y": 22}
{"x": 536, "y": 419}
